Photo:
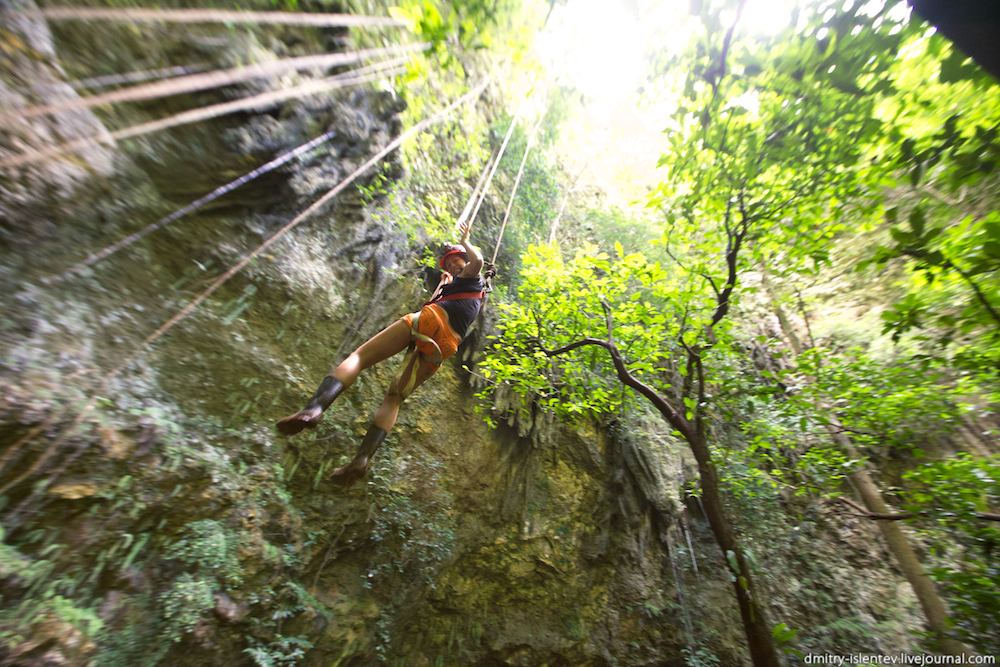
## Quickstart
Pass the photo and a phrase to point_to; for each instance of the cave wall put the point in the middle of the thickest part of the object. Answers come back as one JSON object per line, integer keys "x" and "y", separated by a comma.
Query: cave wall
{"x": 155, "y": 517}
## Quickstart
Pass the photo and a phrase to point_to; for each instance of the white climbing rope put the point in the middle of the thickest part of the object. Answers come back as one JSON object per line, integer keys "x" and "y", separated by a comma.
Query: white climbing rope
{"x": 195, "y": 82}
{"x": 253, "y": 103}
{"x": 198, "y": 203}
{"x": 307, "y": 213}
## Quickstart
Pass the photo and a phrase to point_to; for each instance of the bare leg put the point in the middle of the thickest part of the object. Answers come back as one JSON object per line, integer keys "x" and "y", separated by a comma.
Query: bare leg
{"x": 391, "y": 340}
{"x": 384, "y": 420}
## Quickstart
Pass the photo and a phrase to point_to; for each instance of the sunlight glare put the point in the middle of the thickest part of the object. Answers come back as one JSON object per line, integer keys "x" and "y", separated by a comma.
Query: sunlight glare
{"x": 749, "y": 100}
{"x": 596, "y": 47}
{"x": 600, "y": 48}
{"x": 766, "y": 17}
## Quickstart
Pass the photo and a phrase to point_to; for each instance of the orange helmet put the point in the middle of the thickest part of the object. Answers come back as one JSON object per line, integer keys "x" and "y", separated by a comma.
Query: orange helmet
{"x": 453, "y": 249}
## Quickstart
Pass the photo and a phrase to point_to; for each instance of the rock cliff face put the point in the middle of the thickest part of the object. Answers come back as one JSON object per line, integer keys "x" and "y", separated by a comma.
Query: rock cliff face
{"x": 155, "y": 517}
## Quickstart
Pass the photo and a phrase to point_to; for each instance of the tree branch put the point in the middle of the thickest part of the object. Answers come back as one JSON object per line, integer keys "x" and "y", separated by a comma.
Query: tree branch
{"x": 689, "y": 376}
{"x": 699, "y": 422}
{"x": 607, "y": 314}
{"x": 727, "y": 227}
{"x": 675, "y": 418}
{"x": 727, "y": 42}
{"x": 979, "y": 294}
{"x": 711, "y": 282}
{"x": 805, "y": 318}
{"x": 666, "y": 247}
{"x": 734, "y": 240}
{"x": 921, "y": 255}
{"x": 929, "y": 189}
{"x": 902, "y": 516}
{"x": 843, "y": 429}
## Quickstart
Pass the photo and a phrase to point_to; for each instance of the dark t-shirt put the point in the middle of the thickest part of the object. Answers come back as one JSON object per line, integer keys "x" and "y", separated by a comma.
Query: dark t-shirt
{"x": 462, "y": 312}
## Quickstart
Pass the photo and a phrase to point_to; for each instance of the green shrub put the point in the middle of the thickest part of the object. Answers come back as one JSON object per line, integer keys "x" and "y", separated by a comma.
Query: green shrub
{"x": 185, "y": 603}
{"x": 210, "y": 547}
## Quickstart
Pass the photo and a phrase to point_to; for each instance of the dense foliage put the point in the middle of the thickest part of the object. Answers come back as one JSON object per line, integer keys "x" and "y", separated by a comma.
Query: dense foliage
{"x": 782, "y": 149}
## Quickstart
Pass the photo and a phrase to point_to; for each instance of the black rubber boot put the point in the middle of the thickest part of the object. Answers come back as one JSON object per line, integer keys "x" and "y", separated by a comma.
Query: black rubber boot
{"x": 329, "y": 390}
{"x": 309, "y": 416}
{"x": 357, "y": 468}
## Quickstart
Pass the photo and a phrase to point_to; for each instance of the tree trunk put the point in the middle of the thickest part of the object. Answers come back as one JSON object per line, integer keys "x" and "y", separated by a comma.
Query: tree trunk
{"x": 758, "y": 633}
{"x": 933, "y": 606}
{"x": 786, "y": 325}
{"x": 759, "y": 638}
{"x": 923, "y": 586}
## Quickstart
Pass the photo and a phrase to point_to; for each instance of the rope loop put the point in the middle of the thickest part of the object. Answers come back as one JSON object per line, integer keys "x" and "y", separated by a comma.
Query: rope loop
{"x": 489, "y": 272}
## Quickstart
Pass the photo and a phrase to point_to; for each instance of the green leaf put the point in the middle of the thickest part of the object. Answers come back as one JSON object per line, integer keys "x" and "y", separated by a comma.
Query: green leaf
{"x": 734, "y": 564}
{"x": 906, "y": 149}
{"x": 900, "y": 236}
{"x": 782, "y": 633}
{"x": 934, "y": 258}
{"x": 993, "y": 230}
{"x": 954, "y": 68}
{"x": 917, "y": 221}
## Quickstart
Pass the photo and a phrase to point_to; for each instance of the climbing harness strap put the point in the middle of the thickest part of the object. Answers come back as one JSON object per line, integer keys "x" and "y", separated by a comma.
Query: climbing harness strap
{"x": 458, "y": 296}
{"x": 416, "y": 336}
{"x": 472, "y": 295}
{"x": 403, "y": 387}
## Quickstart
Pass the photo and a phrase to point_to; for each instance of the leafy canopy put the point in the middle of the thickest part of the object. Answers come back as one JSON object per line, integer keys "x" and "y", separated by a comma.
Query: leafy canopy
{"x": 561, "y": 302}
{"x": 776, "y": 126}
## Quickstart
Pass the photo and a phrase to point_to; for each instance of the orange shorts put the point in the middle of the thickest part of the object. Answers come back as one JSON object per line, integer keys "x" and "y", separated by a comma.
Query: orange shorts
{"x": 434, "y": 324}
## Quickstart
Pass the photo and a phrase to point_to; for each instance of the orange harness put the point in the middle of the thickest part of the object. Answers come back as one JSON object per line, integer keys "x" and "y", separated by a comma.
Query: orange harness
{"x": 406, "y": 378}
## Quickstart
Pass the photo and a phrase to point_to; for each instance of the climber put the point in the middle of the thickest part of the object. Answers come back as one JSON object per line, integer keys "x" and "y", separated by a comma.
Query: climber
{"x": 432, "y": 335}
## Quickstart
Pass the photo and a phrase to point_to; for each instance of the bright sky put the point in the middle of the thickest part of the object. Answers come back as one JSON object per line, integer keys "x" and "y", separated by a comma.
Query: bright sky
{"x": 600, "y": 47}
{"x": 595, "y": 46}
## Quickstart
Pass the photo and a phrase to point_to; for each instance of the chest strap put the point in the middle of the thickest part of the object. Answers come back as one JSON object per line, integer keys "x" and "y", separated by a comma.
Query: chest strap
{"x": 459, "y": 296}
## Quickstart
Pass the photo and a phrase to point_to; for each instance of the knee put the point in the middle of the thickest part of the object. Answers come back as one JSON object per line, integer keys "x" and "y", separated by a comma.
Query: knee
{"x": 394, "y": 398}
{"x": 351, "y": 363}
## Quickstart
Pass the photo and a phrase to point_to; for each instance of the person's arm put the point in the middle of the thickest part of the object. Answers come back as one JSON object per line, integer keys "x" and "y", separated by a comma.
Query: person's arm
{"x": 473, "y": 258}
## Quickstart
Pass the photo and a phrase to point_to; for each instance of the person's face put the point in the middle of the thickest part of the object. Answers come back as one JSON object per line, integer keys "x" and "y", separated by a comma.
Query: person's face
{"x": 454, "y": 264}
